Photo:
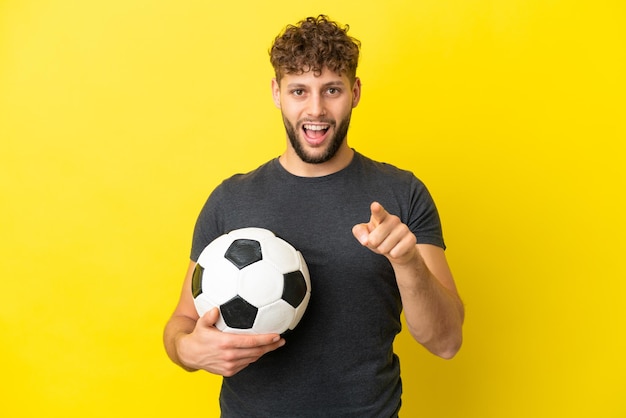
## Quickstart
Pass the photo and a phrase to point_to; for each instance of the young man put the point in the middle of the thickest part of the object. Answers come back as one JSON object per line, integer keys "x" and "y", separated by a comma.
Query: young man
{"x": 369, "y": 232}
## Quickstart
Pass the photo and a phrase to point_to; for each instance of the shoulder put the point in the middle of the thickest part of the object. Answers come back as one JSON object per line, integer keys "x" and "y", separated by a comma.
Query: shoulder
{"x": 266, "y": 169}
{"x": 386, "y": 172}
{"x": 368, "y": 163}
{"x": 259, "y": 175}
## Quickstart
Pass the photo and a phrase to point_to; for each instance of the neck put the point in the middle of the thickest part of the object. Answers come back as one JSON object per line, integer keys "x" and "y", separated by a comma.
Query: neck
{"x": 294, "y": 165}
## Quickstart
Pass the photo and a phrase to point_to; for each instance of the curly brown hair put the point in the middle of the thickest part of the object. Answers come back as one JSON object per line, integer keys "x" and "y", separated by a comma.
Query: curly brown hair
{"x": 311, "y": 45}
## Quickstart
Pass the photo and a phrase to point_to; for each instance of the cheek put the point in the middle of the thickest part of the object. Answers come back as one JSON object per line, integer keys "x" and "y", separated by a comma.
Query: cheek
{"x": 290, "y": 111}
{"x": 342, "y": 111}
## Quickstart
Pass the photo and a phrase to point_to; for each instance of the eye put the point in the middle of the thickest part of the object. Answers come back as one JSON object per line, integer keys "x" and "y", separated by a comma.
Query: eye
{"x": 297, "y": 92}
{"x": 333, "y": 91}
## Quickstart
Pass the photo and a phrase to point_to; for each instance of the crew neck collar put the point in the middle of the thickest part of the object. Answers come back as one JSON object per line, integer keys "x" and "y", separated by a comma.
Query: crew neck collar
{"x": 355, "y": 157}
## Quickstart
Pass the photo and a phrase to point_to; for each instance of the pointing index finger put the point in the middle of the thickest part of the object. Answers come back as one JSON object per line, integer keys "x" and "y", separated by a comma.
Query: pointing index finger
{"x": 378, "y": 214}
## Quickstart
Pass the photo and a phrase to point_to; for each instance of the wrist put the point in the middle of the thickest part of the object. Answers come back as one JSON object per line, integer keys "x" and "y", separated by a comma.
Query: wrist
{"x": 182, "y": 351}
{"x": 410, "y": 260}
{"x": 411, "y": 270}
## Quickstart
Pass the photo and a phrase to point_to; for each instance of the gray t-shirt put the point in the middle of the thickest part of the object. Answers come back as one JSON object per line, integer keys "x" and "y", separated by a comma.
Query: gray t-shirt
{"x": 339, "y": 361}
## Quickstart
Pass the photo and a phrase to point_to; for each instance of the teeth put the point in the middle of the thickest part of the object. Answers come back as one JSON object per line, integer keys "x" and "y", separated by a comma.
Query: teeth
{"x": 315, "y": 127}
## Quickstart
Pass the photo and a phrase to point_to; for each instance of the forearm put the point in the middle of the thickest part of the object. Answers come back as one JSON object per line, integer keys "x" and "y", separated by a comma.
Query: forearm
{"x": 432, "y": 308}
{"x": 434, "y": 313}
{"x": 177, "y": 327}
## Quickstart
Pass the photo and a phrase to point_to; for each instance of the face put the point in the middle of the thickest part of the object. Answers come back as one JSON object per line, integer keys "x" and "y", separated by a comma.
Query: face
{"x": 316, "y": 112}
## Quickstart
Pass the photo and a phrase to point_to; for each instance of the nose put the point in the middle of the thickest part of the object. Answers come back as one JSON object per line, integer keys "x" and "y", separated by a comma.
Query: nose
{"x": 315, "y": 106}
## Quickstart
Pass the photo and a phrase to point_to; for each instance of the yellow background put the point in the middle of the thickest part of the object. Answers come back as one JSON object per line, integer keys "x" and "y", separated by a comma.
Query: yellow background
{"x": 117, "y": 118}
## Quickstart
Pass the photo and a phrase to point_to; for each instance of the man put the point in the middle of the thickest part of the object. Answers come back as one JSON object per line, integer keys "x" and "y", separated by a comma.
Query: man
{"x": 370, "y": 234}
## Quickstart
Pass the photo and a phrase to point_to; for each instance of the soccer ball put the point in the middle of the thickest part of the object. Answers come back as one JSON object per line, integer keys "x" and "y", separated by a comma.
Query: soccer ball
{"x": 259, "y": 282}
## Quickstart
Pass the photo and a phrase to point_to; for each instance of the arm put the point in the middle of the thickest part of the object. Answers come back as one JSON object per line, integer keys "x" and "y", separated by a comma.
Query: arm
{"x": 194, "y": 343}
{"x": 432, "y": 307}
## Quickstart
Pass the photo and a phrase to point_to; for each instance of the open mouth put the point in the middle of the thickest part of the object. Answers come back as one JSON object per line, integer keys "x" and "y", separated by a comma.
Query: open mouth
{"x": 315, "y": 133}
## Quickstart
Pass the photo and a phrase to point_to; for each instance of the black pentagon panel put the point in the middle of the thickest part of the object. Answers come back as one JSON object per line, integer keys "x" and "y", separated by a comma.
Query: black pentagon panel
{"x": 294, "y": 290}
{"x": 196, "y": 281}
{"x": 243, "y": 252}
{"x": 237, "y": 313}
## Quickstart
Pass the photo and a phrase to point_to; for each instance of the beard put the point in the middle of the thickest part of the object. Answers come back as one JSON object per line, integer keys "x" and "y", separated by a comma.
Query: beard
{"x": 334, "y": 142}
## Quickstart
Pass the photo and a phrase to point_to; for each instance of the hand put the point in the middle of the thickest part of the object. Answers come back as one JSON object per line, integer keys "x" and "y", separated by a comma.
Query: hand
{"x": 222, "y": 353}
{"x": 385, "y": 234}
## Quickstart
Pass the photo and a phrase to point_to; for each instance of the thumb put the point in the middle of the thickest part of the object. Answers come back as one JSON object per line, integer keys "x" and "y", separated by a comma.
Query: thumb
{"x": 209, "y": 318}
{"x": 377, "y": 215}
{"x": 361, "y": 233}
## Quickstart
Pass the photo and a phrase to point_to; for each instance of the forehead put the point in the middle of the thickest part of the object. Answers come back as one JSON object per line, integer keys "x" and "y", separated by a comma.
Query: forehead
{"x": 311, "y": 79}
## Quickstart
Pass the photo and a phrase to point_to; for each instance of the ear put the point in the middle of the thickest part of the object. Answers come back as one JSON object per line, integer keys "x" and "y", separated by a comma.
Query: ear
{"x": 276, "y": 93}
{"x": 356, "y": 92}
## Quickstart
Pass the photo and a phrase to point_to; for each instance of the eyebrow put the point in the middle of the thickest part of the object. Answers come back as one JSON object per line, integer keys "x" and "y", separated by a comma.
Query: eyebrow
{"x": 334, "y": 83}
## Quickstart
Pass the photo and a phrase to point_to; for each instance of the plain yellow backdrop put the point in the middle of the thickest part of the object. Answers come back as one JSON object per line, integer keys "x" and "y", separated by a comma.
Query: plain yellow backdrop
{"x": 117, "y": 118}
